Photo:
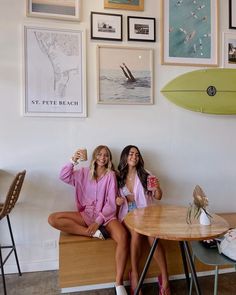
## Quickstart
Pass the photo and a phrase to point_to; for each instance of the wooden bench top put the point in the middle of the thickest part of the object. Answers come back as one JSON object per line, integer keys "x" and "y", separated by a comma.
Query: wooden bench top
{"x": 69, "y": 238}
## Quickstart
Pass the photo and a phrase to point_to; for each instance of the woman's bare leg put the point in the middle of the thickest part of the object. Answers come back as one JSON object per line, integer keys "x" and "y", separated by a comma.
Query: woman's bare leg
{"x": 160, "y": 257}
{"x": 135, "y": 253}
{"x": 69, "y": 222}
{"x": 120, "y": 235}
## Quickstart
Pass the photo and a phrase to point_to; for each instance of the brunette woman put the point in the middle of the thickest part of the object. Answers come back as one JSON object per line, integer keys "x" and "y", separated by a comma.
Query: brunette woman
{"x": 132, "y": 182}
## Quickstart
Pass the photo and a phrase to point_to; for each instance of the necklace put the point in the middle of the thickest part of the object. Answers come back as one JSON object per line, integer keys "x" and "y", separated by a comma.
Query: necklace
{"x": 130, "y": 178}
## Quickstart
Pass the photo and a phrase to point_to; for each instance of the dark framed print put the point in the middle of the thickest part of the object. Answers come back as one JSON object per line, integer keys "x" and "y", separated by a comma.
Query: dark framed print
{"x": 124, "y": 4}
{"x": 141, "y": 28}
{"x": 232, "y": 14}
{"x": 54, "y": 9}
{"x": 106, "y": 26}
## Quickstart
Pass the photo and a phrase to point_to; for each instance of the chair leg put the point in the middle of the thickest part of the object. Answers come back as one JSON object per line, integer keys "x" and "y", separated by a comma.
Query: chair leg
{"x": 3, "y": 274}
{"x": 216, "y": 280}
{"x": 191, "y": 280}
{"x": 13, "y": 245}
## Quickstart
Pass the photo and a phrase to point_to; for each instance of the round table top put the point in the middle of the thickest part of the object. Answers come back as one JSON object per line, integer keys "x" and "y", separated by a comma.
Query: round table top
{"x": 168, "y": 222}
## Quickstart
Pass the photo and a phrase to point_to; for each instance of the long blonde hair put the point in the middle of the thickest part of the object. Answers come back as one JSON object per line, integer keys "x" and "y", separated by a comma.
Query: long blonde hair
{"x": 93, "y": 165}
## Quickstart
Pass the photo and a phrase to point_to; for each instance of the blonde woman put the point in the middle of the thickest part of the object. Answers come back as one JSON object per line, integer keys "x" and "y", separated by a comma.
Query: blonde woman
{"x": 95, "y": 193}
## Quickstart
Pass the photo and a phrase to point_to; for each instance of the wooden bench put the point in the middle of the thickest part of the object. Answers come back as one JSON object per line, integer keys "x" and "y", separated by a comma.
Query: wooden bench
{"x": 87, "y": 261}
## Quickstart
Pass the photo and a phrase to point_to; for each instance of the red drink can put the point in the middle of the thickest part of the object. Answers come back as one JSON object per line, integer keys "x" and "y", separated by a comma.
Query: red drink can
{"x": 152, "y": 182}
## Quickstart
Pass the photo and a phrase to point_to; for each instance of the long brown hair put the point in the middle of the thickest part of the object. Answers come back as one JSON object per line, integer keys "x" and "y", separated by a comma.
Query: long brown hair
{"x": 93, "y": 165}
{"x": 123, "y": 167}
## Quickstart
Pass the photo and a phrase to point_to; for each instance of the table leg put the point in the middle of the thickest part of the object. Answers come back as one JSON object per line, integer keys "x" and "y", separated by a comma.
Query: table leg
{"x": 192, "y": 267}
{"x": 186, "y": 271}
{"x": 147, "y": 263}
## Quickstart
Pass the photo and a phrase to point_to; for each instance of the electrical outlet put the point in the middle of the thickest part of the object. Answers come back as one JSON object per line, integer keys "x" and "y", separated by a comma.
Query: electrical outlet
{"x": 49, "y": 244}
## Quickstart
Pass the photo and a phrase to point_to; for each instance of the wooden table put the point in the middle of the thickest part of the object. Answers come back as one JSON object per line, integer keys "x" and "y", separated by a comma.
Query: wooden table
{"x": 168, "y": 222}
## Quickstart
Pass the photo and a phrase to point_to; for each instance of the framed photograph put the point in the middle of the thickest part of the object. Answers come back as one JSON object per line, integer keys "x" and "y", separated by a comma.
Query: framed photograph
{"x": 124, "y": 4}
{"x": 141, "y": 29}
{"x": 54, "y": 72}
{"x": 189, "y": 33}
{"x": 57, "y": 9}
{"x": 232, "y": 14}
{"x": 125, "y": 75}
{"x": 229, "y": 52}
{"x": 106, "y": 26}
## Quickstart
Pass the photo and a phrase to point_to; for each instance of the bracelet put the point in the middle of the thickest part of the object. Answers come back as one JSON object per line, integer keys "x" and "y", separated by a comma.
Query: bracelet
{"x": 74, "y": 162}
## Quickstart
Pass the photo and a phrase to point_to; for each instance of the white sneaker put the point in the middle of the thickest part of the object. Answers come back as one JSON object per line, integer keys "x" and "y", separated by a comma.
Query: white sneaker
{"x": 120, "y": 290}
{"x": 98, "y": 235}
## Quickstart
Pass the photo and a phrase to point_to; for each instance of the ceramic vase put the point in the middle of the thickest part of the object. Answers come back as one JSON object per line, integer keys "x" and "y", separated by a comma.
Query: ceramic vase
{"x": 204, "y": 219}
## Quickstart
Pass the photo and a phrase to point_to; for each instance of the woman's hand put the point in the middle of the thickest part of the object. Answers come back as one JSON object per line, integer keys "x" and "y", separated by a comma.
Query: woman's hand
{"x": 157, "y": 192}
{"x": 130, "y": 198}
{"x": 92, "y": 228}
{"x": 77, "y": 155}
{"x": 120, "y": 201}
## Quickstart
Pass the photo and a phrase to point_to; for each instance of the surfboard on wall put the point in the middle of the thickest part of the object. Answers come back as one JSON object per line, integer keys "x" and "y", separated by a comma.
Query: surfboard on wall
{"x": 211, "y": 91}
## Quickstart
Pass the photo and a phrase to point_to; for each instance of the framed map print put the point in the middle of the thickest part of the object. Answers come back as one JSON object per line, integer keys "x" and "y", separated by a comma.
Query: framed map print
{"x": 54, "y": 72}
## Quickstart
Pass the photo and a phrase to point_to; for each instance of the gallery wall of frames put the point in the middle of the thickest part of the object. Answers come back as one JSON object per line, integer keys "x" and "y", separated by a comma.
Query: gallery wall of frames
{"x": 189, "y": 36}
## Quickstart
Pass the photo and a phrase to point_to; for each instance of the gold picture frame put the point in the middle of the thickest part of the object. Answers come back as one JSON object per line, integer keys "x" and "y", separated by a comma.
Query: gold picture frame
{"x": 125, "y": 4}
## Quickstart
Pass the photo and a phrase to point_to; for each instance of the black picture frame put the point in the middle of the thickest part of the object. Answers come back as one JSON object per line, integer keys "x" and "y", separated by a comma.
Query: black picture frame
{"x": 106, "y": 26}
{"x": 232, "y": 14}
{"x": 141, "y": 28}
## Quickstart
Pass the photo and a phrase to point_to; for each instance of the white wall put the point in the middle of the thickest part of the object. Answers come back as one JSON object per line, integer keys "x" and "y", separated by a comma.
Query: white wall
{"x": 183, "y": 148}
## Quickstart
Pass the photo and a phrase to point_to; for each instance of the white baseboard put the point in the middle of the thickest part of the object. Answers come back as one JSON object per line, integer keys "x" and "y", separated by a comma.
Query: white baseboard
{"x": 32, "y": 266}
{"x": 150, "y": 280}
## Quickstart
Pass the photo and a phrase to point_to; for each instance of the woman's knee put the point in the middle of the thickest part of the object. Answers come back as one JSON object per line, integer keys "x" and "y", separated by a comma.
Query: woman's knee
{"x": 118, "y": 233}
{"x": 52, "y": 219}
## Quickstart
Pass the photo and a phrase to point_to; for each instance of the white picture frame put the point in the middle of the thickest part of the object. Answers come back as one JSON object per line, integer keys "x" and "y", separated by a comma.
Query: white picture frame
{"x": 229, "y": 50}
{"x": 54, "y": 81}
{"x": 54, "y": 9}
{"x": 189, "y": 33}
{"x": 124, "y": 75}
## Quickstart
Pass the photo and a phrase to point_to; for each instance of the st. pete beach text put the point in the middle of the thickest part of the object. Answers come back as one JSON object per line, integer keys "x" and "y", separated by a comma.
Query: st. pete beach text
{"x": 55, "y": 102}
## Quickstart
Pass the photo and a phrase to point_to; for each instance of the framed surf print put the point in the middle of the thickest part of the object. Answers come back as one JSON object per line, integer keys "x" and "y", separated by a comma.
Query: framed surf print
{"x": 189, "y": 34}
{"x": 54, "y": 72}
{"x": 106, "y": 26}
{"x": 229, "y": 52}
{"x": 141, "y": 28}
{"x": 125, "y": 75}
{"x": 54, "y": 9}
{"x": 232, "y": 14}
{"x": 124, "y": 4}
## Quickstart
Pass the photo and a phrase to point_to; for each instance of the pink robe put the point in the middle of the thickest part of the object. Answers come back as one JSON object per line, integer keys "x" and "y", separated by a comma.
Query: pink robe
{"x": 140, "y": 197}
{"x": 95, "y": 199}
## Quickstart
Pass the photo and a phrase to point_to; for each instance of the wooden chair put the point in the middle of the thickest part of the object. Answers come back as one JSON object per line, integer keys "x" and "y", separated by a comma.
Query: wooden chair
{"x": 5, "y": 209}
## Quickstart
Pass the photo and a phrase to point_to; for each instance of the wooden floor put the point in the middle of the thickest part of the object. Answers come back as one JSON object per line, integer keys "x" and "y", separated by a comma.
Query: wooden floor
{"x": 46, "y": 283}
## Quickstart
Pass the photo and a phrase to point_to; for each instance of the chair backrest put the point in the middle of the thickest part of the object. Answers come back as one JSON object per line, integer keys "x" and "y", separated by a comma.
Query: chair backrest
{"x": 12, "y": 195}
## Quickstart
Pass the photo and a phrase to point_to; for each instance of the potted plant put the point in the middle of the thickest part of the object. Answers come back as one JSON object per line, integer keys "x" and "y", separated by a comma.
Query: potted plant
{"x": 198, "y": 209}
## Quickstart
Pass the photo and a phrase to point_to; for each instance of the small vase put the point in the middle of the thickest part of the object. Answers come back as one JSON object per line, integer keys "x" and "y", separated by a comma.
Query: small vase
{"x": 204, "y": 219}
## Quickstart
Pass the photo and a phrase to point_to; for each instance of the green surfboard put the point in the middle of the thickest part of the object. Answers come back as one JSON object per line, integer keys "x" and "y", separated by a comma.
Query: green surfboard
{"x": 211, "y": 91}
